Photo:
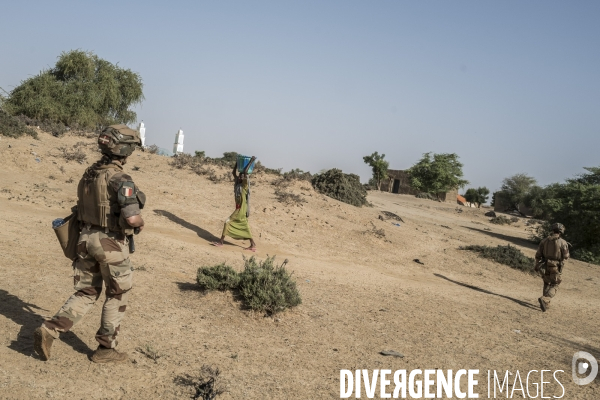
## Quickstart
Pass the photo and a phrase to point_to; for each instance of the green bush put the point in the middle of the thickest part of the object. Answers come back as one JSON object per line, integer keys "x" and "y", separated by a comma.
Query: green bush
{"x": 218, "y": 277}
{"x": 507, "y": 255}
{"x": 82, "y": 90}
{"x": 266, "y": 287}
{"x": 13, "y": 127}
{"x": 343, "y": 187}
{"x": 262, "y": 285}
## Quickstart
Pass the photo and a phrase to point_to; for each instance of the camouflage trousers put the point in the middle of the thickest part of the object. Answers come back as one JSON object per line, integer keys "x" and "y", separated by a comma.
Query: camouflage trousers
{"x": 102, "y": 257}
{"x": 552, "y": 278}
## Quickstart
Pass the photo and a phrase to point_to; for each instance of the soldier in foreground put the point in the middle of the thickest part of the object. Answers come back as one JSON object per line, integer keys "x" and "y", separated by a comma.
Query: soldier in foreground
{"x": 552, "y": 254}
{"x": 108, "y": 210}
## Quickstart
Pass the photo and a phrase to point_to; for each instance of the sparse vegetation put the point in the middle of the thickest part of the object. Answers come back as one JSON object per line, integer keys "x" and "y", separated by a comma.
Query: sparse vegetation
{"x": 377, "y": 232}
{"x": 73, "y": 154}
{"x": 507, "y": 255}
{"x": 149, "y": 351}
{"x": 207, "y": 385}
{"x": 262, "y": 285}
{"x": 288, "y": 197}
{"x": 343, "y": 187}
{"x": 152, "y": 149}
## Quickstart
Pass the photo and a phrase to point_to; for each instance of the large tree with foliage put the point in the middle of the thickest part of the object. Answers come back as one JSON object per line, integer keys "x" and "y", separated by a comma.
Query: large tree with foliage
{"x": 81, "y": 90}
{"x": 576, "y": 204}
{"x": 437, "y": 174}
{"x": 515, "y": 190}
{"x": 379, "y": 167}
{"x": 477, "y": 196}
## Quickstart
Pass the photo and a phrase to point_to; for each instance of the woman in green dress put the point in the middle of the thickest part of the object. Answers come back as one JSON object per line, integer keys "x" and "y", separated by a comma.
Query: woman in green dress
{"x": 237, "y": 226}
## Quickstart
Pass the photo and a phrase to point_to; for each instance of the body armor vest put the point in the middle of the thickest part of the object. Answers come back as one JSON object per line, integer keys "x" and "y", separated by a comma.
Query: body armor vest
{"x": 552, "y": 249}
{"x": 96, "y": 204}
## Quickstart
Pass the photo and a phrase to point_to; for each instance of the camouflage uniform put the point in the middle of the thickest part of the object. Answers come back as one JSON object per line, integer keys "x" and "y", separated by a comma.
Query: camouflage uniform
{"x": 552, "y": 252}
{"x": 103, "y": 256}
{"x": 107, "y": 197}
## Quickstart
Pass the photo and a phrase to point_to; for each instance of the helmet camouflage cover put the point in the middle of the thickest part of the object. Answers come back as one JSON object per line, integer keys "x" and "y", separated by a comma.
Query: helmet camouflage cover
{"x": 558, "y": 227}
{"x": 118, "y": 140}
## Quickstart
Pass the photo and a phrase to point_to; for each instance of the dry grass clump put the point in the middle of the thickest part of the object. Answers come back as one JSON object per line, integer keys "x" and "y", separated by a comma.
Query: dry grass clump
{"x": 149, "y": 351}
{"x": 507, "y": 255}
{"x": 378, "y": 233}
{"x": 262, "y": 285}
{"x": 152, "y": 149}
{"x": 183, "y": 160}
{"x": 73, "y": 154}
{"x": 287, "y": 197}
{"x": 208, "y": 385}
{"x": 502, "y": 220}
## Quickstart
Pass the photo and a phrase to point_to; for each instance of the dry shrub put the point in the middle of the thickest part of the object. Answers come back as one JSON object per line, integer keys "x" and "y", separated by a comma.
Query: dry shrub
{"x": 288, "y": 197}
{"x": 74, "y": 154}
{"x": 56, "y": 129}
{"x": 502, "y": 220}
{"x": 13, "y": 127}
{"x": 424, "y": 195}
{"x": 152, "y": 149}
{"x": 378, "y": 233}
{"x": 343, "y": 187}
{"x": 219, "y": 277}
{"x": 149, "y": 351}
{"x": 507, "y": 255}
{"x": 261, "y": 169}
{"x": 183, "y": 160}
{"x": 207, "y": 384}
{"x": 263, "y": 286}
{"x": 266, "y": 287}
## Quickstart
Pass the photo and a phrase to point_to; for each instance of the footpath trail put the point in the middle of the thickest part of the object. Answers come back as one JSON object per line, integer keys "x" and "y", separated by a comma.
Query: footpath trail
{"x": 362, "y": 292}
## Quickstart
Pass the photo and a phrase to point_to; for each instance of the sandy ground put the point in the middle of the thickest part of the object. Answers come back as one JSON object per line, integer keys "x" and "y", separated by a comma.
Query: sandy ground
{"x": 361, "y": 293}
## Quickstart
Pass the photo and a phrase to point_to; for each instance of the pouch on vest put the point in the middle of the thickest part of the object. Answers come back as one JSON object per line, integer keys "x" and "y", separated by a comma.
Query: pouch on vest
{"x": 68, "y": 235}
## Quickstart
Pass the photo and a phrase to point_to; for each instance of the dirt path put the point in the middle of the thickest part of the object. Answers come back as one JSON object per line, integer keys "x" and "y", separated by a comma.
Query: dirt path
{"x": 361, "y": 293}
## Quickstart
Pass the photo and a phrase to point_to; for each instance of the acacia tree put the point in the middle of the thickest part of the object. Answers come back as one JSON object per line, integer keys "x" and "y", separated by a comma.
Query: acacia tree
{"x": 379, "y": 167}
{"x": 437, "y": 174}
{"x": 515, "y": 190}
{"x": 477, "y": 196}
{"x": 81, "y": 90}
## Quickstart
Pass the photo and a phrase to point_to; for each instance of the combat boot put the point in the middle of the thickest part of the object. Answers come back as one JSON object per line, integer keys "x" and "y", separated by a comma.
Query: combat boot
{"x": 543, "y": 305}
{"x": 42, "y": 343}
{"x": 103, "y": 355}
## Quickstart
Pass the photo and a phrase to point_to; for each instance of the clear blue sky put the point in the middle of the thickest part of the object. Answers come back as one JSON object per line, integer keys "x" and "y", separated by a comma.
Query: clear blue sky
{"x": 511, "y": 86}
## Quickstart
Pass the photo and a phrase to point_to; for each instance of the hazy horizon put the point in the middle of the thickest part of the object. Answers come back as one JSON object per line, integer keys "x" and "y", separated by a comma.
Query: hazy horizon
{"x": 509, "y": 86}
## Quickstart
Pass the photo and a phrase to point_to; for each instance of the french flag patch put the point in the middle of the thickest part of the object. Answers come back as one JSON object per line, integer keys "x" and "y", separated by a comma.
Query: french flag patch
{"x": 127, "y": 191}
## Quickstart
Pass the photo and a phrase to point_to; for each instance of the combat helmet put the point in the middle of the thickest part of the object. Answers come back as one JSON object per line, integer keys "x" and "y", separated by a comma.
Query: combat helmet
{"x": 558, "y": 227}
{"x": 118, "y": 140}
